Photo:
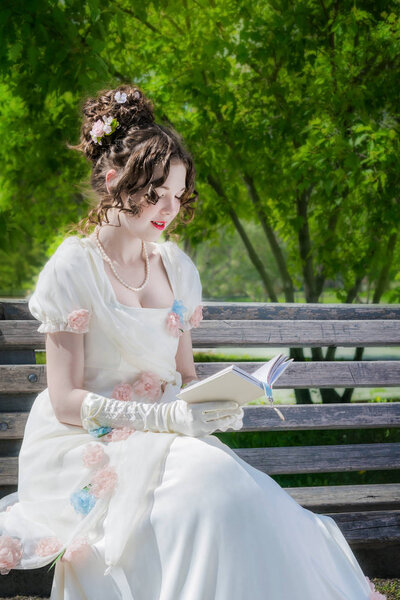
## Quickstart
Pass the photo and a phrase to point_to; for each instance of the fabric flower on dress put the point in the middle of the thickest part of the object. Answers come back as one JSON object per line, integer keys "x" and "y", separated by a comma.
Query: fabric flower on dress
{"x": 172, "y": 323}
{"x": 118, "y": 434}
{"x": 103, "y": 482}
{"x": 94, "y": 456}
{"x": 99, "y": 431}
{"x": 77, "y": 550}
{"x": 122, "y": 391}
{"x": 78, "y": 320}
{"x": 47, "y": 546}
{"x": 197, "y": 316}
{"x": 83, "y": 501}
{"x": 10, "y": 553}
{"x": 148, "y": 385}
{"x": 10, "y": 506}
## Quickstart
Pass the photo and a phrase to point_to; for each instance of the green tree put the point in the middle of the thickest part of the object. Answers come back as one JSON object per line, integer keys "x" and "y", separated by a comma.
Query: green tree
{"x": 289, "y": 108}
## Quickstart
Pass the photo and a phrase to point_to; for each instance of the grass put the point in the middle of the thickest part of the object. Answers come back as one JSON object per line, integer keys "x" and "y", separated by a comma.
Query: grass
{"x": 390, "y": 587}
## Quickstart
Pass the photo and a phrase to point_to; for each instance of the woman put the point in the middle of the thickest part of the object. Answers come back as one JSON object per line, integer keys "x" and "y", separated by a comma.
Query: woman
{"x": 121, "y": 483}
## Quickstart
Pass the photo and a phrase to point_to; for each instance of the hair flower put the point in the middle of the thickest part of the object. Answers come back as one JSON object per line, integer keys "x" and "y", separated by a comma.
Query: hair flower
{"x": 103, "y": 127}
{"x": 120, "y": 97}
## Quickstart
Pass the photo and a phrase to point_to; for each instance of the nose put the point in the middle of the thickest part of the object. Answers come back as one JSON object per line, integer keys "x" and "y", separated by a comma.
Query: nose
{"x": 168, "y": 204}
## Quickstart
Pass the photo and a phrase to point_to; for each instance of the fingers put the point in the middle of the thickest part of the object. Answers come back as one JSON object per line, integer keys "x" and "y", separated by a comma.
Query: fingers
{"x": 209, "y": 407}
{"x": 221, "y": 414}
{"x": 228, "y": 422}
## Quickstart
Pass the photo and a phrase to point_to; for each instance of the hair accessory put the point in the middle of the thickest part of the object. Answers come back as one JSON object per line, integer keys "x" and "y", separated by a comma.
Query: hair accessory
{"x": 102, "y": 128}
{"x": 120, "y": 97}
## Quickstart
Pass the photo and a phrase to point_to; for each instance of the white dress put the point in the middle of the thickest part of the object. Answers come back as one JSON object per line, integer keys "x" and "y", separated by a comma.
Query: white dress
{"x": 174, "y": 517}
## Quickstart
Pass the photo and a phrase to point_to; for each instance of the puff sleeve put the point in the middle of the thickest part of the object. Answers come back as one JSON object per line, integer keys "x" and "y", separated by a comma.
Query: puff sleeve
{"x": 187, "y": 310}
{"x": 61, "y": 299}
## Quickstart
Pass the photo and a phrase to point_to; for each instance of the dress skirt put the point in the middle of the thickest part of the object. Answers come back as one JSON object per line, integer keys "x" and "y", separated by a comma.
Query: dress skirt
{"x": 219, "y": 529}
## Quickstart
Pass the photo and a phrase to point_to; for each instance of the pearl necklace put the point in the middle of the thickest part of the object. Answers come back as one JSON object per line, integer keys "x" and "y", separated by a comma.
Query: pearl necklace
{"x": 110, "y": 262}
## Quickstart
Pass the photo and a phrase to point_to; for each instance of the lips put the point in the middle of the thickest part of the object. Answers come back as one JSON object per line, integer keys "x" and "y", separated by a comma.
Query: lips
{"x": 158, "y": 224}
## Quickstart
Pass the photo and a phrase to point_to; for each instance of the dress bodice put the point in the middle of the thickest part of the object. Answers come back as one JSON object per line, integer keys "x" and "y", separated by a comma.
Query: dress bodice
{"x": 119, "y": 341}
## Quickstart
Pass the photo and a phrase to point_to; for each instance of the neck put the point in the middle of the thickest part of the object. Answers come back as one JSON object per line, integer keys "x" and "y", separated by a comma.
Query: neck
{"x": 120, "y": 246}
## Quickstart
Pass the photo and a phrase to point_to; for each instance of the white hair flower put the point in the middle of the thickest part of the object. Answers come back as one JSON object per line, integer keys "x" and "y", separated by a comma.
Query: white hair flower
{"x": 120, "y": 97}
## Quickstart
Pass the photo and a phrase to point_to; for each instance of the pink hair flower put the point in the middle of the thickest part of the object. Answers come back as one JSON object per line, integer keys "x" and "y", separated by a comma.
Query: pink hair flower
{"x": 94, "y": 456}
{"x": 173, "y": 324}
{"x": 78, "y": 549}
{"x": 10, "y": 553}
{"x": 197, "y": 316}
{"x": 47, "y": 546}
{"x": 148, "y": 385}
{"x": 78, "y": 320}
{"x": 103, "y": 127}
{"x": 103, "y": 482}
{"x": 122, "y": 391}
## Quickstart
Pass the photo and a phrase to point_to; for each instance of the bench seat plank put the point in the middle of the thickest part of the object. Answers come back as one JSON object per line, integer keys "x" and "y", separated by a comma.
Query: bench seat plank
{"x": 262, "y": 418}
{"x": 347, "y": 498}
{"x": 322, "y": 459}
{"x": 294, "y": 333}
{"x": 318, "y": 374}
{"x": 363, "y": 529}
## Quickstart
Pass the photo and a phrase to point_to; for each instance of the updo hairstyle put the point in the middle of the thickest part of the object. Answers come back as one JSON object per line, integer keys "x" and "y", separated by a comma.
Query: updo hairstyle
{"x": 133, "y": 149}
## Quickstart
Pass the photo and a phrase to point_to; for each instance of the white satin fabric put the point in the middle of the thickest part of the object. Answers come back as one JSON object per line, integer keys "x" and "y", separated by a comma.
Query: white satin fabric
{"x": 188, "y": 519}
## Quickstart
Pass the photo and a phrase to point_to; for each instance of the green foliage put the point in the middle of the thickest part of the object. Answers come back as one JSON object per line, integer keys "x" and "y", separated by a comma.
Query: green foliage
{"x": 290, "y": 111}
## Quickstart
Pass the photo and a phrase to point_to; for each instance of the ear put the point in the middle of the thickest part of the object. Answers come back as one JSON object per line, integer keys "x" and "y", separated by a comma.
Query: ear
{"x": 110, "y": 175}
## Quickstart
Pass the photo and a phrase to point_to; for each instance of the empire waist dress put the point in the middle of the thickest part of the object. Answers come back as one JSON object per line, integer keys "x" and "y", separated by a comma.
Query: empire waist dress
{"x": 137, "y": 515}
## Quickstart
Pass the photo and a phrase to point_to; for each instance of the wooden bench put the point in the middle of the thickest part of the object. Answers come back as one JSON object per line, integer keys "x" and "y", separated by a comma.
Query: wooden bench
{"x": 368, "y": 514}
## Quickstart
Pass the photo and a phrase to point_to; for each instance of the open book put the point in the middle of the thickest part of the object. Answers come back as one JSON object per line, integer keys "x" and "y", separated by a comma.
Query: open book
{"x": 232, "y": 383}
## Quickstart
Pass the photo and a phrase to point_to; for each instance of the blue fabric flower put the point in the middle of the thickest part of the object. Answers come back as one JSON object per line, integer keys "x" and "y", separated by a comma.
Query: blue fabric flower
{"x": 83, "y": 501}
{"x": 178, "y": 307}
{"x": 100, "y": 431}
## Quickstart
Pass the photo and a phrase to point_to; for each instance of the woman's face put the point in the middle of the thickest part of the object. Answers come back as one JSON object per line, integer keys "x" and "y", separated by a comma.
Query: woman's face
{"x": 163, "y": 212}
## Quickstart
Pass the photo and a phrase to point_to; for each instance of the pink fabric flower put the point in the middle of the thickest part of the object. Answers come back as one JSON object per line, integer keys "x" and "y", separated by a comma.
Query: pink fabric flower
{"x": 375, "y": 595}
{"x": 173, "y": 324}
{"x": 48, "y": 546}
{"x": 10, "y": 507}
{"x": 118, "y": 434}
{"x": 197, "y": 316}
{"x": 97, "y": 130}
{"x": 122, "y": 391}
{"x": 103, "y": 482}
{"x": 148, "y": 385}
{"x": 10, "y": 553}
{"x": 94, "y": 456}
{"x": 78, "y": 320}
{"x": 78, "y": 549}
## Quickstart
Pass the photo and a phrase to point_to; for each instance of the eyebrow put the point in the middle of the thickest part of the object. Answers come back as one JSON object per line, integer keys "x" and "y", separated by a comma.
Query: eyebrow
{"x": 163, "y": 187}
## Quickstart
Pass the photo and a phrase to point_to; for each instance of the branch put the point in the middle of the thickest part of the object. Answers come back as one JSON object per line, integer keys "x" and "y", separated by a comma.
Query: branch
{"x": 245, "y": 239}
{"x": 270, "y": 235}
{"x": 305, "y": 246}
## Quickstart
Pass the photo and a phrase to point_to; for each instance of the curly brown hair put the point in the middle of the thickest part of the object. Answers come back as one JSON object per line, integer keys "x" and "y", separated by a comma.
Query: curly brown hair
{"x": 134, "y": 147}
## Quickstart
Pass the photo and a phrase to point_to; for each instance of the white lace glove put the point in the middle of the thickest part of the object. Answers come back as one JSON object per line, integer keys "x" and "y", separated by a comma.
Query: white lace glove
{"x": 176, "y": 416}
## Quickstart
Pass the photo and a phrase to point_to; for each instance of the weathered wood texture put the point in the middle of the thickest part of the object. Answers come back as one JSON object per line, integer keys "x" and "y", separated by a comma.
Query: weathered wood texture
{"x": 294, "y": 333}
{"x": 17, "y": 309}
{"x": 318, "y": 374}
{"x": 291, "y": 460}
{"x": 347, "y": 498}
{"x": 323, "y": 459}
{"x": 262, "y": 418}
{"x": 368, "y": 515}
